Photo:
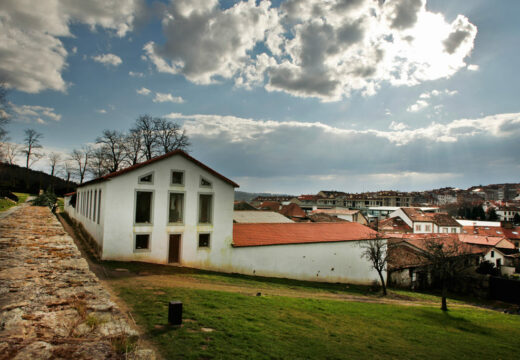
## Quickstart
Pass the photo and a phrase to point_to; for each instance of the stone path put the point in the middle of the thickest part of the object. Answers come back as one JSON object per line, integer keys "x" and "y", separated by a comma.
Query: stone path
{"x": 51, "y": 305}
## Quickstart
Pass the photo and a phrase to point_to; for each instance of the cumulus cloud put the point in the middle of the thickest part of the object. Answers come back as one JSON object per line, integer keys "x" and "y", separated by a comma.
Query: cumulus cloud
{"x": 418, "y": 106}
{"x": 108, "y": 59}
{"x": 136, "y": 74}
{"x": 162, "y": 97}
{"x": 32, "y": 56}
{"x": 473, "y": 67}
{"x": 34, "y": 114}
{"x": 312, "y": 48}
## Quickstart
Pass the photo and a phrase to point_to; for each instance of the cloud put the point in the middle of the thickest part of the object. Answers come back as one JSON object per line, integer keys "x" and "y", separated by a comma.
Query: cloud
{"x": 136, "y": 74}
{"x": 261, "y": 153}
{"x": 143, "y": 91}
{"x": 108, "y": 59}
{"x": 162, "y": 97}
{"x": 473, "y": 67}
{"x": 34, "y": 113}
{"x": 418, "y": 106}
{"x": 101, "y": 111}
{"x": 32, "y": 55}
{"x": 421, "y": 103}
{"x": 235, "y": 129}
{"x": 312, "y": 48}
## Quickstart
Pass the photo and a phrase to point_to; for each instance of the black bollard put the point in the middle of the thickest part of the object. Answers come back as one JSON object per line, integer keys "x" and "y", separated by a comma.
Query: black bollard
{"x": 175, "y": 312}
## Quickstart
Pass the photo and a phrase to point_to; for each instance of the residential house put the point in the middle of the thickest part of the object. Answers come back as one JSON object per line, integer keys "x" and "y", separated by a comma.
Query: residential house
{"x": 507, "y": 213}
{"x": 345, "y": 214}
{"x": 427, "y": 223}
{"x": 293, "y": 212}
{"x": 394, "y": 225}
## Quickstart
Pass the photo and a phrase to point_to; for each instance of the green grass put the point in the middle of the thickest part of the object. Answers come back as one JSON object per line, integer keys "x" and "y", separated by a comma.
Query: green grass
{"x": 274, "y": 327}
{"x": 7, "y": 204}
{"x": 61, "y": 204}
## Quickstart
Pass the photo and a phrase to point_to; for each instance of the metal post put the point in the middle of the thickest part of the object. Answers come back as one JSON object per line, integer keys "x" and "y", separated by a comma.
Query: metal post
{"x": 175, "y": 312}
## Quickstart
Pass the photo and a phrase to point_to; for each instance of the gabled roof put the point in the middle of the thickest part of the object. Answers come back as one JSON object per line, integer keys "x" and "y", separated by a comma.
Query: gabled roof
{"x": 299, "y": 233}
{"x": 328, "y": 218}
{"x": 255, "y": 216}
{"x": 270, "y": 205}
{"x": 155, "y": 159}
{"x": 394, "y": 225}
{"x": 292, "y": 210}
{"x": 496, "y": 241}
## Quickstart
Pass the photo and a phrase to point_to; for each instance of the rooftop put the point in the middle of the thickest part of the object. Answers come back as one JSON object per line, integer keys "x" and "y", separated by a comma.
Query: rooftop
{"x": 255, "y": 216}
{"x": 299, "y": 233}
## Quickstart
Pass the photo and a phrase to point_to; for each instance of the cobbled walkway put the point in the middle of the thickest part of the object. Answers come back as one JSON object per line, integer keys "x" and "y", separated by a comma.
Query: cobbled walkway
{"x": 51, "y": 305}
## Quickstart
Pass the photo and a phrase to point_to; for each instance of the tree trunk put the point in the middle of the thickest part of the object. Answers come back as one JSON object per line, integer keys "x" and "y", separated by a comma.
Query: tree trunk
{"x": 382, "y": 282}
{"x": 444, "y": 306}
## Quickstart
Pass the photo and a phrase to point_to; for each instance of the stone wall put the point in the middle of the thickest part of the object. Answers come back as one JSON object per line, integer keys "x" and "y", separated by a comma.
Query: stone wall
{"x": 51, "y": 304}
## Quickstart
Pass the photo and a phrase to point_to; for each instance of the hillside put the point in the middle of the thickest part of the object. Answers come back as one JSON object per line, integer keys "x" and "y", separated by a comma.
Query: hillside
{"x": 20, "y": 179}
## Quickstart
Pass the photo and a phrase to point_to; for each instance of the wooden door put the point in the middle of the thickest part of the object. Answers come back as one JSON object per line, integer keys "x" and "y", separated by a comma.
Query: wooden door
{"x": 174, "y": 248}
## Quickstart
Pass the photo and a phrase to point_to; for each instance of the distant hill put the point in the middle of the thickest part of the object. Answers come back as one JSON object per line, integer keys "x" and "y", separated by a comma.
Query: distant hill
{"x": 247, "y": 196}
{"x": 19, "y": 179}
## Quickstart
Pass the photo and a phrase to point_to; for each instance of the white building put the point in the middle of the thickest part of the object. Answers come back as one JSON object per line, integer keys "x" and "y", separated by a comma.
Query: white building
{"x": 171, "y": 209}
{"x": 175, "y": 210}
{"x": 427, "y": 223}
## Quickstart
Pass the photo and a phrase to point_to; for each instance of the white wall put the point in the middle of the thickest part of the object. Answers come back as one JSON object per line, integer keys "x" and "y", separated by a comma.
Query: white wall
{"x": 330, "y": 262}
{"x": 84, "y": 210}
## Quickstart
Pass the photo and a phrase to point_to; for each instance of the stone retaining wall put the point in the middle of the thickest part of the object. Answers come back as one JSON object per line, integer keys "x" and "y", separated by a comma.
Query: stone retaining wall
{"x": 51, "y": 304}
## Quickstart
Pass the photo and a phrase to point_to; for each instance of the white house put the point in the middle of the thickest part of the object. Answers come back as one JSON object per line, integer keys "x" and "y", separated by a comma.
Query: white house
{"x": 170, "y": 209}
{"x": 175, "y": 210}
{"x": 427, "y": 223}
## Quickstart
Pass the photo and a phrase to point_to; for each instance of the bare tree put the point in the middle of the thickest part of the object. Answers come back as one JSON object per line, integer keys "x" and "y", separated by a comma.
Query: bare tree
{"x": 32, "y": 142}
{"x": 81, "y": 160}
{"x": 98, "y": 164}
{"x": 170, "y": 136}
{"x": 144, "y": 125}
{"x": 4, "y": 113}
{"x": 54, "y": 159}
{"x": 10, "y": 152}
{"x": 376, "y": 252}
{"x": 112, "y": 145}
{"x": 447, "y": 259}
{"x": 133, "y": 147}
{"x": 68, "y": 169}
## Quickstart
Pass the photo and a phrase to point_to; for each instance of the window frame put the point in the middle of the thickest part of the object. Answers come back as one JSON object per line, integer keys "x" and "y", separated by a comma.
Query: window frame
{"x": 168, "y": 208}
{"x": 146, "y": 250}
{"x": 183, "y": 177}
{"x": 209, "y": 240}
{"x": 151, "y": 207}
{"x": 146, "y": 174}
{"x": 211, "y": 209}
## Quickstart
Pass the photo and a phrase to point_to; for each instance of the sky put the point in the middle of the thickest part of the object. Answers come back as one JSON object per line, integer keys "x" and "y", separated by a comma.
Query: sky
{"x": 284, "y": 96}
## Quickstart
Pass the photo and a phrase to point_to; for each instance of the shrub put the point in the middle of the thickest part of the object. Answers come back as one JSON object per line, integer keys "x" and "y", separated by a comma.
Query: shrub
{"x": 486, "y": 267}
{"x": 48, "y": 198}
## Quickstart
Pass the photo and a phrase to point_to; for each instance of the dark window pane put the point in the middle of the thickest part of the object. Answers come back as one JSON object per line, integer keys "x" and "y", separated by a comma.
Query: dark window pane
{"x": 142, "y": 241}
{"x": 146, "y": 179}
{"x": 175, "y": 213}
{"x": 205, "y": 209}
{"x": 204, "y": 182}
{"x": 203, "y": 240}
{"x": 177, "y": 177}
{"x": 143, "y": 207}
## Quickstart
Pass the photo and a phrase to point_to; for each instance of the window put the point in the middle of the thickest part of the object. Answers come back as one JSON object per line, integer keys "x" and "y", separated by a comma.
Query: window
{"x": 143, "y": 207}
{"x": 204, "y": 182}
{"x": 177, "y": 178}
{"x": 203, "y": 240}
{"x": 492, "y": 253}
{"x": 142, "y": 241}
{"x": 205, "y": 208}
{"x": 454, "y": 230}
{"x": 99, "y": 206}
{"x": 95, "y": 206}
{"x": 146, "y": 179}
{"x": 427, "y": 228}
{"x": 445, "y": 230}
{"x": 175, "y": 210}
{"x": 417, "y": 227}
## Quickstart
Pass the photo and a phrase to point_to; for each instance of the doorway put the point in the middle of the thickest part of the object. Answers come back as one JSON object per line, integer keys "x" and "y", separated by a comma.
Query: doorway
{"x": 174, "y": 248}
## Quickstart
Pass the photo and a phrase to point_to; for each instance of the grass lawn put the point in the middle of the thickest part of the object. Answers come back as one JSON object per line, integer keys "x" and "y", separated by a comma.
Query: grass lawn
{"x": 236, "y": 324}
{"x": 7, "y": 204}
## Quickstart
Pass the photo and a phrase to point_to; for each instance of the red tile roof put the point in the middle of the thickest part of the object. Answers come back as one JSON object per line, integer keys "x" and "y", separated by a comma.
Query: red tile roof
{"x": 270, "y": 205}
{"x": 155, "y": 159}
{"x": 394, "y": 225}
{"x": 69, "y": 194}
{"x": 513, "y": 233}
{"x": 299, "y": 233}
{"x": 497, "y": 241}
{"x": 292, "y": 210}
{"x": 335, "y": 211}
